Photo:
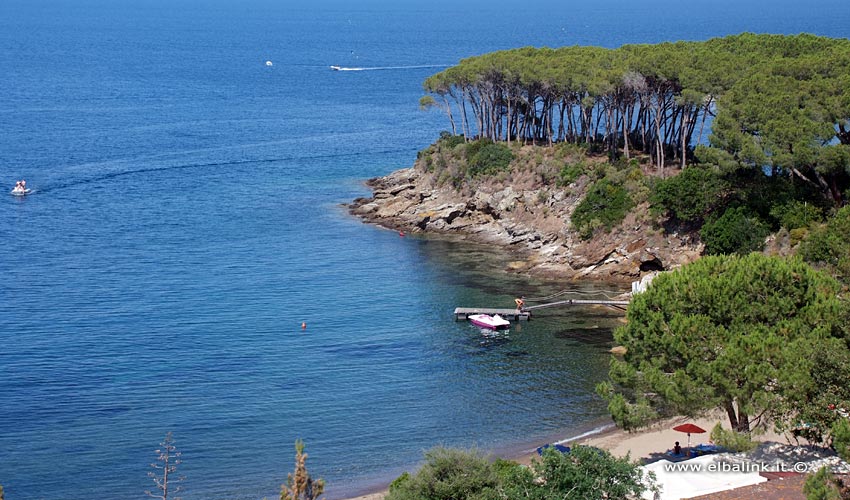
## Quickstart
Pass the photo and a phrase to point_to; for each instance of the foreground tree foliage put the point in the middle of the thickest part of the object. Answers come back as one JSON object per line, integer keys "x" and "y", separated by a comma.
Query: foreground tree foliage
{"x": 299, "y": 485}
{"x": 777, "y": 102}
{"x": 744, "y": 334}
{"x": 828, "y": 246}
{"x": 586, "y": 473}
{"x": 583, "y": 474}
{"x": 448, "y": 474}
{"x": 736, "y": 231}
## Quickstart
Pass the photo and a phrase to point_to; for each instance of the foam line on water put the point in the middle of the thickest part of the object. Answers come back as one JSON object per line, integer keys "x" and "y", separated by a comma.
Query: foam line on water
{"x": 377, "y": 68}
{"x": 570, "y": 439}
{"x": 113, "y": 175}
{"x": 592, "y": 432}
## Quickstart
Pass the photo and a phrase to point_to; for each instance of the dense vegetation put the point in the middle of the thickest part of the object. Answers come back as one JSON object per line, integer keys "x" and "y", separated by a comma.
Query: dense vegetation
{"x": 766, "y": 339}
{"x": 828, "y": 245}
{"x": 583, "y": 474}
{"x": 778, "y": 103}
{"x": 773, "y": 108}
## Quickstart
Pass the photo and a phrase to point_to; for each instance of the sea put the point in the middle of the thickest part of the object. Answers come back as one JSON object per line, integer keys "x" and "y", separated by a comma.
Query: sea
{"x": 185, "y": 262}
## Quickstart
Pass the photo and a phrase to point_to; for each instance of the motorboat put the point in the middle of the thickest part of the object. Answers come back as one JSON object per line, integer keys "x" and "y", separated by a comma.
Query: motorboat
{"x": 494, "y": 322}
{"x": 21, "y": 192}
{"x": 336, "y": 68}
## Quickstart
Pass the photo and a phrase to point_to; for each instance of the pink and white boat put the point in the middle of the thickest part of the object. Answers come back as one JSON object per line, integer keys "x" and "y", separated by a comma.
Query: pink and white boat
{"x": 494, "y": 322}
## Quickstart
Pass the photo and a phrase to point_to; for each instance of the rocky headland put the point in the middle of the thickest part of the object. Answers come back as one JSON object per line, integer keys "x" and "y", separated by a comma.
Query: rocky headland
{"x": 523, "y": 210}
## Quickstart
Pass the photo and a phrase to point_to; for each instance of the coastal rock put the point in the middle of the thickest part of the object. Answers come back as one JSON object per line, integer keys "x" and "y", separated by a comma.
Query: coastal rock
{"x": 532, "y": 220}
{"x": 505, "y": 200}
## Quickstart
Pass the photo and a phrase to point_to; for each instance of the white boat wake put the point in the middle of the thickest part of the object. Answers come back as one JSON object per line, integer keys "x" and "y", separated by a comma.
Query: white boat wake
{"x": 378, "y": 68}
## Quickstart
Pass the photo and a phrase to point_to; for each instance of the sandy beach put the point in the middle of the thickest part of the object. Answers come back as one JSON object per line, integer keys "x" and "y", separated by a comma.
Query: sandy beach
{"x": 648, "y": 444}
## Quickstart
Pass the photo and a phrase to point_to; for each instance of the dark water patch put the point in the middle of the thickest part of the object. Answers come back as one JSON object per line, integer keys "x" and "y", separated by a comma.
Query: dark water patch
{"x": 517, "y": 354}
{"x": 589, "y": 336}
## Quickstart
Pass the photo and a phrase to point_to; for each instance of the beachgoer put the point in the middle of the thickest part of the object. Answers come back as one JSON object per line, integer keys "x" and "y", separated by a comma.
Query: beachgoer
{"x": 520, "y": 303}
{"x": 677, "y": 450}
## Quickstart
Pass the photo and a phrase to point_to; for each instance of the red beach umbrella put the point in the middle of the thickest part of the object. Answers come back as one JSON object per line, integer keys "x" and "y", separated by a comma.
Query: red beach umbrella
{"x": 689, "y": 429}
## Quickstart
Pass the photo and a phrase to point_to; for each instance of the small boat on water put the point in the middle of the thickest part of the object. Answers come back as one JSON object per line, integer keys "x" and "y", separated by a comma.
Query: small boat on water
{"x": 494, "y": 322}
{"x": 336, "y": 68}
{"x": 21, "y": 192}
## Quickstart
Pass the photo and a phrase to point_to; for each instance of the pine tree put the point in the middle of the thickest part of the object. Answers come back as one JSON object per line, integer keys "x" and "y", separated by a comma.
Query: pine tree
{"x": 744, "y": 334}
{"x": 168, "y": 460}
{"x": 300, "y": 486}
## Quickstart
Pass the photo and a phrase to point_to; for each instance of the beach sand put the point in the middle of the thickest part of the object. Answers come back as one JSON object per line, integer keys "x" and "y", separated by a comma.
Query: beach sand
{"x": 648, "y": 444}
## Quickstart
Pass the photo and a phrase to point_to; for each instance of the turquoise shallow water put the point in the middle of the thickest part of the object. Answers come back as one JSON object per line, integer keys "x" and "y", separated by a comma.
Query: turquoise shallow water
{"x": 186, "y": 220}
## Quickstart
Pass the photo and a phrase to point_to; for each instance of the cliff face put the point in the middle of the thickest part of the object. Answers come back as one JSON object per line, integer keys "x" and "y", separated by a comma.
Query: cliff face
{"x": 529, "y": 218}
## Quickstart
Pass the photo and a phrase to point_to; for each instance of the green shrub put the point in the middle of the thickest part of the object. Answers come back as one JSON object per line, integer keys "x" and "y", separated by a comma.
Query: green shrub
{"x": 732, "y": 440}
{"x": 448, "y": 475}
{"x": 400, "y": 481}
{"x": 427, "y": 161}
{"x": 828, "y": 245}
{"x": 797, "y": 235}
{"x": 736, "y": 231}
{"x": 568, "y": 150}
{"x": 449, "y": 141}
{"x": 586, "y": 473}
{"x": 689, "y": 196}
{"x": 507, "y": 470}
{"x": 488, "y": 158}
{"x": 604, "y": 206}
{"x": 796, "y": 214}
{"x": 570, "y": 172}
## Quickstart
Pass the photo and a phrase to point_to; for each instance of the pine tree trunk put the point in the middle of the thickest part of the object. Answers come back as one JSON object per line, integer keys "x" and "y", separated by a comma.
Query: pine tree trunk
{"x": 626, "y": 132}
{"x": 730, "y": 412}
{"x": 684, "y": 135}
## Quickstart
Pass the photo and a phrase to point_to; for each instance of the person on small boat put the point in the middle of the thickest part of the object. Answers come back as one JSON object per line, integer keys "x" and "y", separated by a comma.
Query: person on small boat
{"x": 20, "y": 186}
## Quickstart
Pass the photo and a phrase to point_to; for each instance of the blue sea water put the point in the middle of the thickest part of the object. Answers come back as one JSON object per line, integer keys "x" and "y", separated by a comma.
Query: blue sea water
{"x": 187, "y": 220}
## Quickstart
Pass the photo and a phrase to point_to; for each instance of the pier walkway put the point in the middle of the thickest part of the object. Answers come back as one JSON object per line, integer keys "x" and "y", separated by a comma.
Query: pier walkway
{"x": 617, "y": 304}
{"x": 463, "y": 313}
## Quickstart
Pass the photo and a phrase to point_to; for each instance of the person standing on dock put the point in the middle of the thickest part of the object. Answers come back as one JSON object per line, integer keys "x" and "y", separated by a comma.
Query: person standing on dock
{"x": 520, "y": 303}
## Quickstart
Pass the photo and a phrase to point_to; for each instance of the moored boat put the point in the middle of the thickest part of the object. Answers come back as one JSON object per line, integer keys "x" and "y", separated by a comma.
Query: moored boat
{"x": 494, "y": 322}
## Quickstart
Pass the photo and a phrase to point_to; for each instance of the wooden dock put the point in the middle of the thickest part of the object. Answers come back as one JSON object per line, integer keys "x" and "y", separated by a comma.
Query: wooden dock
{"x": 617, "y": 304}
{"x": 463, "y": 313}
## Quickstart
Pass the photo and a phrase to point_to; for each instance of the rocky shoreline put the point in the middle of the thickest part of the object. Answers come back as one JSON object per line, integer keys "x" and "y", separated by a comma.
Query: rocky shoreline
{"x": 530, "y": 219}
